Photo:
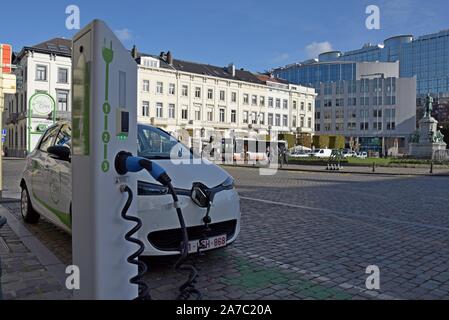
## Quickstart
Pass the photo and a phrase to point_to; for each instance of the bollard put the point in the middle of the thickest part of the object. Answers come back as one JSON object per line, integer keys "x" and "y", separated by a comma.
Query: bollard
{"x": 2, "y": 223}
{"x": 431, "y": 167}
{"x": 374, "y": 167}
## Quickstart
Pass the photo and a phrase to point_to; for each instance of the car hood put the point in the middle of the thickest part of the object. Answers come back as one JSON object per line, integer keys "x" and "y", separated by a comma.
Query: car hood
{"x": 183, "y": 174}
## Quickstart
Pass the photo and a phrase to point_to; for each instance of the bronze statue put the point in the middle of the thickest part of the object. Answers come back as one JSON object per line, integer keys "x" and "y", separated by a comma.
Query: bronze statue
{"x": 429, "y": 106}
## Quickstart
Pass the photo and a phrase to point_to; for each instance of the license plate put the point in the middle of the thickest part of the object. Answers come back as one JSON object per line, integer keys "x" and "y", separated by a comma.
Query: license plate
{"x": 209, "y": 244}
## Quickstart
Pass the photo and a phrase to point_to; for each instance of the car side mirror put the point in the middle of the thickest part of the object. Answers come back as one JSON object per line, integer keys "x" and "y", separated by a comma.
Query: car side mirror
{"x": 59, "y": 152}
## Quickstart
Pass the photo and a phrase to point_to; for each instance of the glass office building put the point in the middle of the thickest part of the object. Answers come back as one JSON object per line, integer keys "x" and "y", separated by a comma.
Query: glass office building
{"x": 426, "y": 57}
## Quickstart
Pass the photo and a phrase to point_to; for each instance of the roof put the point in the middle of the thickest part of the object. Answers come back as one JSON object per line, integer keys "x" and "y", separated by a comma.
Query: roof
{"x": 58, "y": 46}
{"x": 206, "y": 69}
{"x": 265, "y": 78}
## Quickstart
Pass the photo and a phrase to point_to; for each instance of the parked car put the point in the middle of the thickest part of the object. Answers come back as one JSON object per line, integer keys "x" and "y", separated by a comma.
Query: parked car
{"x": 349, "y": 153}
{"x": 321, "y": 153}
{"x": 46, "y": 191}
{"x": 300, "y": 154}
{"x": 362, "y": 155}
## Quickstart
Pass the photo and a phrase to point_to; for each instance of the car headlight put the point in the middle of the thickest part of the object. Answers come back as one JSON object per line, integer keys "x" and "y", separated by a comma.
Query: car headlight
{"x": 150, "y": 189}
{"x": 229, "y": 183}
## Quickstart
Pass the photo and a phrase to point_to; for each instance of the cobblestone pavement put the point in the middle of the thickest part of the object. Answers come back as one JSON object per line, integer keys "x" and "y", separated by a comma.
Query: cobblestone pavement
{"x": 23, "y": 276}
{"x": 312, "y": 235}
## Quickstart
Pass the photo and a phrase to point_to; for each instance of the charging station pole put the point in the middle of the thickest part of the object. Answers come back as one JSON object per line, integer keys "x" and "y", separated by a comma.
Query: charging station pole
{"x": 104, "y": 122}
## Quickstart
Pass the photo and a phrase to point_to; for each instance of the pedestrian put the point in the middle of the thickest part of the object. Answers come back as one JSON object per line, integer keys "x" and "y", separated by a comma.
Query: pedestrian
{"x": 268, "y": 154}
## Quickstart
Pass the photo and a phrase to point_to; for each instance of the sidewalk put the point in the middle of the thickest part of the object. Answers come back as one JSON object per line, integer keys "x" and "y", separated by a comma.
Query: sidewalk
{"x": 29, "y": 269}
{"x": 399, "y": 171}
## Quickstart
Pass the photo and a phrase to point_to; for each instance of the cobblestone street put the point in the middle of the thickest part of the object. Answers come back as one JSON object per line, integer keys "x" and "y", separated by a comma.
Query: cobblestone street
{"x": 312, "y": 236}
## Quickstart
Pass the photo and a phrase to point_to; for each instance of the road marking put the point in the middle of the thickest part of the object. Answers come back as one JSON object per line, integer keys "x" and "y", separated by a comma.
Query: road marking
{"x": 338, "y": 214}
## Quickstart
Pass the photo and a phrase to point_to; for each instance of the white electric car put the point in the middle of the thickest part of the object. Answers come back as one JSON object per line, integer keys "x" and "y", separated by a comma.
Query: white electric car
{"x": 46, "y": 191}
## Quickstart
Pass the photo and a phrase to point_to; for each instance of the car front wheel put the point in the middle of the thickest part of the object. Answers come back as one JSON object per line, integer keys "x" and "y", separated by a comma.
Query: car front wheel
{"x": 29, "y": 215}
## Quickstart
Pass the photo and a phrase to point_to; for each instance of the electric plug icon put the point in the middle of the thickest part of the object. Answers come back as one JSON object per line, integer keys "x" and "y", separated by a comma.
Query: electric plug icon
{"x": 108, "y": 54}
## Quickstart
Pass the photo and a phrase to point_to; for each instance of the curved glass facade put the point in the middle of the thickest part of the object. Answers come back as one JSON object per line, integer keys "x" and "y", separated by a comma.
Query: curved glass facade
{"x": 427, "y": 57}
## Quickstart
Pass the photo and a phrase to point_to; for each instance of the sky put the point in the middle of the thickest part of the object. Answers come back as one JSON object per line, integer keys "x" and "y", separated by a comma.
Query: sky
{"x": 254, "y": 34}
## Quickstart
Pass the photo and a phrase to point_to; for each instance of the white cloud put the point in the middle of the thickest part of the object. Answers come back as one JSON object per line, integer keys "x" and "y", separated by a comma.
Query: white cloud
{"x": 123, "y": 34}
{"x": 315, "y": 48}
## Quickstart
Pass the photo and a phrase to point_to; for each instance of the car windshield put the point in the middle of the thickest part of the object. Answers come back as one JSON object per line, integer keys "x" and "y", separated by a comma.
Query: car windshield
{"x": 154, "y": 143}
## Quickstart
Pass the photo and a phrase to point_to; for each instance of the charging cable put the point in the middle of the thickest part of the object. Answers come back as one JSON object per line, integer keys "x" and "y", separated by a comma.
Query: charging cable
{"x": 125, "y": 162}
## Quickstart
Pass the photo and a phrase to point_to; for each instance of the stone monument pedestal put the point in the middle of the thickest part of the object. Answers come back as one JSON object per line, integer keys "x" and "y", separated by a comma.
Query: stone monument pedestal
{"x": 426, "y": 141}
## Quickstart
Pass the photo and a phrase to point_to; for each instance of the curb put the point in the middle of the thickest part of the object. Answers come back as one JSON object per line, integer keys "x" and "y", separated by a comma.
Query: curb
{"x": 346, "y": 172}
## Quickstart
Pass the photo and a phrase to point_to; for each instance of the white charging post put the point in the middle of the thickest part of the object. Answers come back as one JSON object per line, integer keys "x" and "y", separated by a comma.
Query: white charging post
{"x": 104, "y": 122}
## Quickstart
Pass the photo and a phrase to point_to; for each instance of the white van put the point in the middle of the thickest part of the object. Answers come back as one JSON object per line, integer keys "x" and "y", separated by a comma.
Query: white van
{"x": 321, "y": 153}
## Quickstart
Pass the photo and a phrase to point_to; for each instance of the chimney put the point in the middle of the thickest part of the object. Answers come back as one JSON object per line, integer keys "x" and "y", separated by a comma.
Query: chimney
{"x": 134, "y": 52}
{"x": 169, "y": 59}
{"x": 231, "y": 69}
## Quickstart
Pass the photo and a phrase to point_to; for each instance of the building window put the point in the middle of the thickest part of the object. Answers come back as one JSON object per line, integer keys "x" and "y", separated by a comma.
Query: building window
{"x": 146, "y": 86}
{"x": 327, "y": 127}
{"x": 184, "y": 113}
{"x": 377, "y": 113}
{"x": 377, "y": 126}
{"x": 285, "y": 104}
{"x": 254, "y": 118}
{"x": 222, "y": 115}
{"x": 262, "y": 101}
{"x": 285, "y": 120}
{"x": 364, "y": 126}
{"x": 338, "y": 103}
{"x": 352, "y": 101}
{"x": 159, "y": 110}
{"x": 171, "y": 111}
{"x": 309, "y": 122}
{"x": 171, "y": 89}
{"x": 327, "y": 103}
{"x": 270, "y": 102}
{"x": 302, "y": 105}
{"x": 197, "y": 114}
{"x": 145, "y": 108}
{"x": 391, "y": 85}
{"x": 210, "y": 94}
{"x": 278, "y": 103}
{"x": 294, "y": 122}
{"x": 210, "y": 115}
{"x": 160, "y": 88}
{"x": 262, "y": 118}
{"x": 222, "y": 95}
{"x": 63, "y": 98}
{"x": 234, "y": 96}
{"x": 339, "y": 126}
{"x": 317, "y": 115}
{"x": 63, "y": 75}
{"x": 245, "y": 116}
{"x": 390, "y": 100}
{"x": 377, "y": 101}
{"x": 301, "y": 123}
{"x": 233, "y": 116}
{"x": 254, "y": 100}
{"x": 245, "y": 98}
{"x": 270, "y": 119}
{"x": 294, "y": 104}
{"x": 317, "y": 127}
{"x": 185, "y": 91}
{"x": 277, "y": 118}
{"x": 391, "y": 126}
{"x": 41, "y": 73}
{"x": 198, "y": 92}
